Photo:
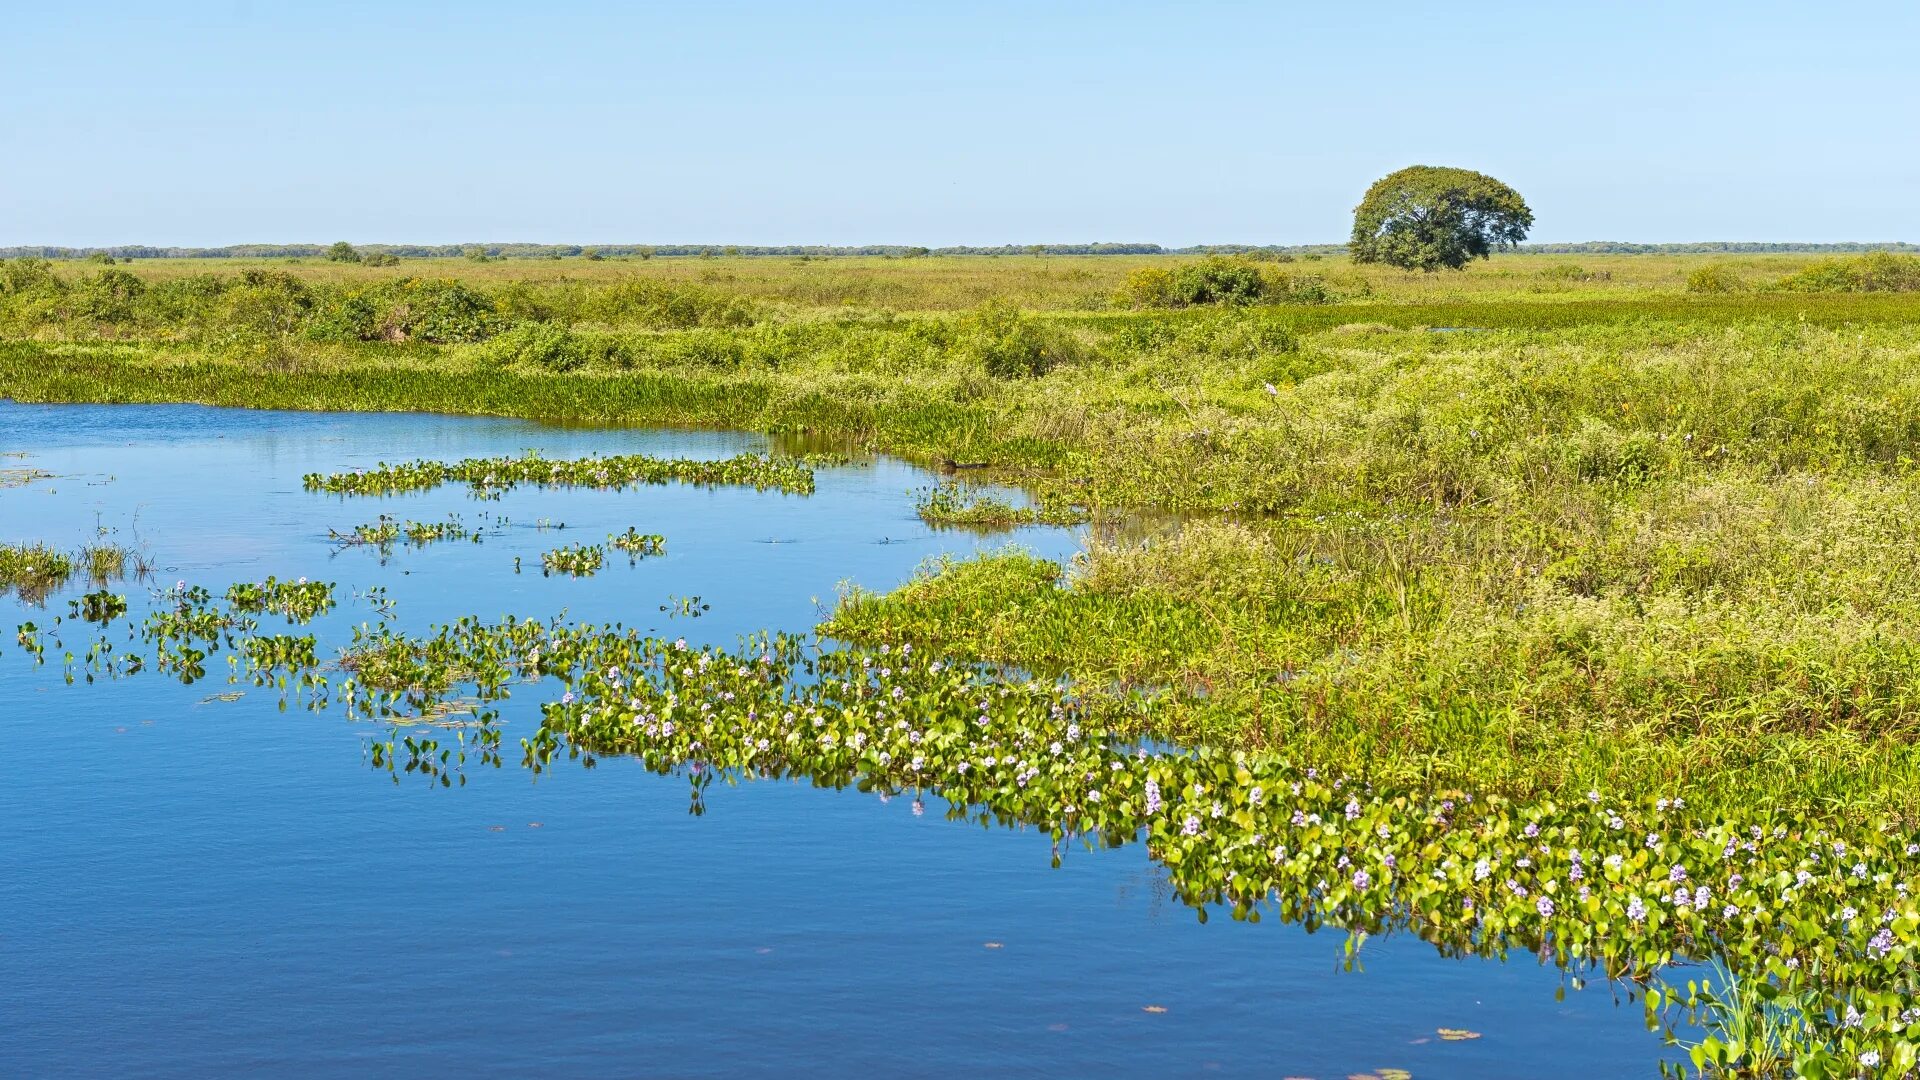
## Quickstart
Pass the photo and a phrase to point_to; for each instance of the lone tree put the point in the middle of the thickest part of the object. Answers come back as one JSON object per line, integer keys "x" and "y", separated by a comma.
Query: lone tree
{"x": 1426, "y": 218}
{"x": 341, "y": 251}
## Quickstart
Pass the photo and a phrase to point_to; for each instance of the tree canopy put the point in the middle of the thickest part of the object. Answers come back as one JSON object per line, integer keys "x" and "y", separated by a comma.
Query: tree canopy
{"x": 1429, "y": 218}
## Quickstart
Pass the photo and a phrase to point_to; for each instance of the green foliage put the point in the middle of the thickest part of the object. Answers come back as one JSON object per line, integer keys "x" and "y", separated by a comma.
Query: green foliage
{"x": 1428, "y": 218}
{"x": 638, "y": 545}
{"x": 1714, "y": 278}
{"x": 580, "y": 560}
{"x": 950, "y": 504}
{"x": 18, "y": 276}
{"x": 108, "y": 296}
{"x": 496, "y": 475}
{"x": 342, "y": 252}
{"x": 33, "y": 570}
{"x": 1007, "y": 343}
{"x": 1877, "y": 272}
{"x": 537, "y": 345}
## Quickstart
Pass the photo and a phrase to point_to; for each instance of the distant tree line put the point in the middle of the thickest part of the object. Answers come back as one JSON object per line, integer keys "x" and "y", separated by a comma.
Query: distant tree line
{"x": 900, "y": 251}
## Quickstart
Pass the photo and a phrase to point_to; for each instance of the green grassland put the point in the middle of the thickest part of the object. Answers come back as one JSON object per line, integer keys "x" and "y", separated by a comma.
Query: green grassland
{"x": 1641, "y": 523}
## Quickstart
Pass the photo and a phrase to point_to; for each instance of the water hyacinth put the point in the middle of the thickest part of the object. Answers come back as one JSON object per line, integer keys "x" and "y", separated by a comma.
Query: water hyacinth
{"x": 580, "y": 560}
{"x": 491, "y": 476}
{"x": 638, "y": 545}
{"x": 1255, "y": 833}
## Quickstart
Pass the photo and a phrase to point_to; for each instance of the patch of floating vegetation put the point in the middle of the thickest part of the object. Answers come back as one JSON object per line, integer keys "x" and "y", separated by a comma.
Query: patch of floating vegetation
{"x": 300, "y": 601}
{"x": 954, "y": 505}
{"x": 579, "y": 560}
{"x": 491, "y": 476}
{"x": 12, "y": 478}
{"x": 639, "y": 545}
{"x": 99, "y": 607}
{"x": 33, "y": 570}
{"x": 388, "y": 530}
{"x": 1815, "y": 921}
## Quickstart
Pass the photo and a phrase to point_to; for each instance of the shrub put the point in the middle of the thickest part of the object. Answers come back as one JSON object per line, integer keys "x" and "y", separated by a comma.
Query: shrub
{"x": 380, "y": 258}
{"x": 343, "y": 252}
{"x": 442, "y": 312}
{"x": 660, "y": 306}
{"x": 266, "y": 302}
{"x": 1008, "y": 344}
{"x": 25, "y": 275}
{"x": 1148, "y": 286}
{"x": 1877, "y": 272}
{"x": 1212, "y": 281}
{"x": 1217, "y": 281}
{"x": 1714, "y": 278}
{"x": 535, "y": 344}
{"x": 109, "y": 296}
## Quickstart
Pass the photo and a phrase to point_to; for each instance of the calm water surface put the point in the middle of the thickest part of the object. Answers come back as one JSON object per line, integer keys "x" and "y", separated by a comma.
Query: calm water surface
{"x": 193, "y": 887}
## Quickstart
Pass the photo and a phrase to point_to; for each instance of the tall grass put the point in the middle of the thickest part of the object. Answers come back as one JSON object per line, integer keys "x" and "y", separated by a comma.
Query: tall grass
{"x": 1599, "y": 531}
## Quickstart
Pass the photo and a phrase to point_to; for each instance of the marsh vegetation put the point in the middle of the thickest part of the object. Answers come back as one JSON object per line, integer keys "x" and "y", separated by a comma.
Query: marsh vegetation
{"x": 1587, "y": 631}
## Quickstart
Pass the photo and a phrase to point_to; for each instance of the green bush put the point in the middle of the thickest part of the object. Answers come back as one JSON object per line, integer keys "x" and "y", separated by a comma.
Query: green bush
{"x": 1714, "y": 278}
{"x": 658, "y": 305}
{"x": 1007, "y": 343}
{"x": 1212, "y": 281}
{"x": 537, "y": 345}
{"x": 1880, "y": 271}
{"x": 26, "y": 275}
{"x": 109, "y": 296}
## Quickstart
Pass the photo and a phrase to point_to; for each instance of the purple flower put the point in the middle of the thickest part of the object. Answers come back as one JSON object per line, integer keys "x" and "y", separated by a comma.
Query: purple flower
{"x": 1544, "y": 906}
{"x": 1361, "y": 880}
{"x": 1153, "y": 798}
{"x": 1190, "y": 827}
{"x": 1636, "y": 910}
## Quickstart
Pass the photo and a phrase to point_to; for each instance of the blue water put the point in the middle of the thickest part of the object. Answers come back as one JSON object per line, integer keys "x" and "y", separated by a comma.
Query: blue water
{"x": 193, "y": 887}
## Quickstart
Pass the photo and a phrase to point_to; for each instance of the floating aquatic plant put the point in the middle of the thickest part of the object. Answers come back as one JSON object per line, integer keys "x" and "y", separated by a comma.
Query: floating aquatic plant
{"x": 1820, "y": 915}
{"x": 638, "y": 545}
{"x": 99, "y": 607}
{"x": 298, "y": 600}
{"x": 490, "y": 476}
{"x": 580, "y": 560}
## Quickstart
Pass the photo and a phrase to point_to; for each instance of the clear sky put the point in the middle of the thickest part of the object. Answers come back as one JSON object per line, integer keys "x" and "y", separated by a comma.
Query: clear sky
{"x": 938, "y": 123}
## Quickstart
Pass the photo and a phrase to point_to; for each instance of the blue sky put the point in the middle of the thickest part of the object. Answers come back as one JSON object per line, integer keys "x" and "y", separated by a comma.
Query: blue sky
{"x": 201, "y": 124}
